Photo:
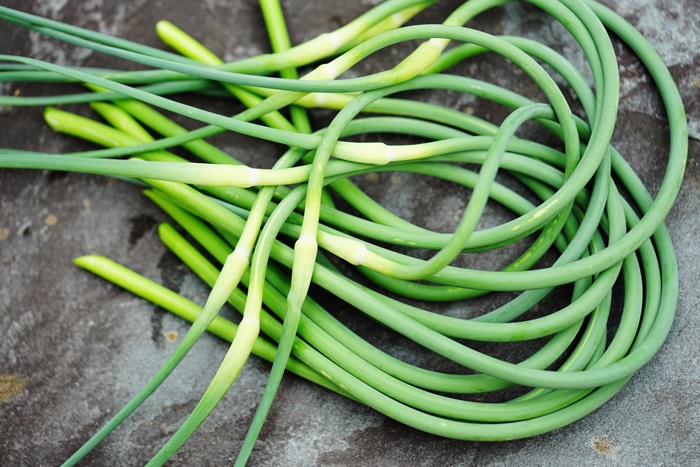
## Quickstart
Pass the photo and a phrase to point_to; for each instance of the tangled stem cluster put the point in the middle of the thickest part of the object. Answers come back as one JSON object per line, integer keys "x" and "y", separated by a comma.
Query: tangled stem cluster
{"x": 581, "y": 217}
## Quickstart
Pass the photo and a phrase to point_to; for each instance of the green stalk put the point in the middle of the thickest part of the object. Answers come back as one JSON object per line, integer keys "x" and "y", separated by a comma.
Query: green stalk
{"x": 189, "y": 47}
{"x": 280, "y": 42}
{"x": 188, "y": 310}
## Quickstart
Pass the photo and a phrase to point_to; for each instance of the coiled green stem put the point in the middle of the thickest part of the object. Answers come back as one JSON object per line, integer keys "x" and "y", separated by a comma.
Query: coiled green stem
{"x": 580, "y": 218}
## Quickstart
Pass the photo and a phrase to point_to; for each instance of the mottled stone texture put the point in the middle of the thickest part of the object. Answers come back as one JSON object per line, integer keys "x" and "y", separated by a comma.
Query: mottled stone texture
{"x": 74, "y": 349}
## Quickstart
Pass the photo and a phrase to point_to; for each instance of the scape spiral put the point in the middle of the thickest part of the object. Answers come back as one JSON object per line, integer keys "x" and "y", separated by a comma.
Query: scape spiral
{"x": 555, "y": 283}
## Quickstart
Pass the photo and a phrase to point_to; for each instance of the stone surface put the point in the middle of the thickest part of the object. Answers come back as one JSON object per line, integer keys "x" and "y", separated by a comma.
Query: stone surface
{"x": 74, "y": 349}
